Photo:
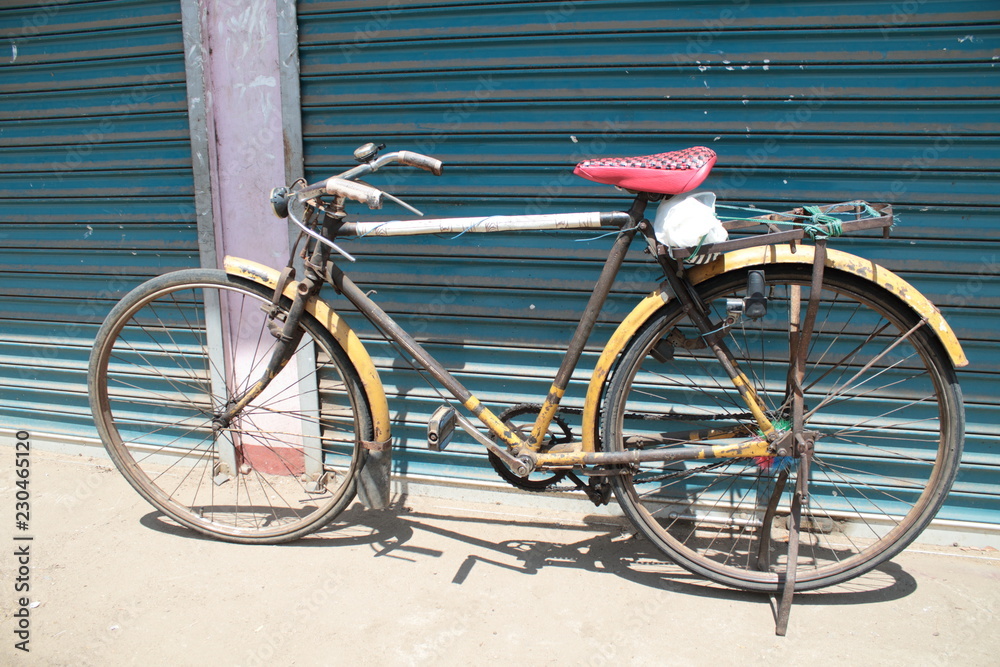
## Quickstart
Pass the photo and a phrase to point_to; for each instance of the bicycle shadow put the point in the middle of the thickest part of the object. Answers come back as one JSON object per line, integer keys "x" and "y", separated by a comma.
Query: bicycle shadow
{"x": 608, "y": 548}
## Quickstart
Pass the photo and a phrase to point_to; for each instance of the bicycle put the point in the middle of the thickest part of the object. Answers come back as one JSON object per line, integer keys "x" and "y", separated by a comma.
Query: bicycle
{"x": 774, "y": 416}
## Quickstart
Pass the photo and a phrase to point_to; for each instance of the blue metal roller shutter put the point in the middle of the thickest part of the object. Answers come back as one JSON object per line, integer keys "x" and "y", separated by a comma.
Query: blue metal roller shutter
{"x": 96, "y": 193}
{"x": 804, "y": 102}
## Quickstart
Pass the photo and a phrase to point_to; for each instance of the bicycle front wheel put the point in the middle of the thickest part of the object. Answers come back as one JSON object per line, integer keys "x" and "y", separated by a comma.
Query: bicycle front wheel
{"x": 881, "y": 396}
{"x": 172, "y": 356}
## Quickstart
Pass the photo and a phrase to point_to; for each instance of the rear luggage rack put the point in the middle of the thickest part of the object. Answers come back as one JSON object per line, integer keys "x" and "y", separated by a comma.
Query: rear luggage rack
{"x": 790, "y": 226}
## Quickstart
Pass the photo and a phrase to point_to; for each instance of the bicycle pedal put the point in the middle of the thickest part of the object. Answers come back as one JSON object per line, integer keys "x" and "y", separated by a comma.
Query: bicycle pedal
{"x": 440, "y": 428}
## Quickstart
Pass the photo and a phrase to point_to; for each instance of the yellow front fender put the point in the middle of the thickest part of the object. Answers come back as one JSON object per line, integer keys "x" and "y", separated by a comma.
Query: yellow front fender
{"x": 752, "y": 257}
{"x": 342, "y": 332}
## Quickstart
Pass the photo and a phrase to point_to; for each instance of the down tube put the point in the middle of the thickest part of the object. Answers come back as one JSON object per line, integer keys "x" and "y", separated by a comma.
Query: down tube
{"x": 380, "y": 319}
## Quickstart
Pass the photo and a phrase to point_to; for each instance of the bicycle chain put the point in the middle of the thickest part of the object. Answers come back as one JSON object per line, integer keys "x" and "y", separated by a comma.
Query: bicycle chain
{"x": 645, "y": 416}
{"x": 682, "y": 473}
{"x": 549, "y": 484}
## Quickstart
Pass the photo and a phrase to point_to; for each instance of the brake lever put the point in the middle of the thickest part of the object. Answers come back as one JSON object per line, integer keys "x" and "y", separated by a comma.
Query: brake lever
{"x": 319, "y": 237}
{"x": 385, "y": 195}
{"x": 401, "y": 203}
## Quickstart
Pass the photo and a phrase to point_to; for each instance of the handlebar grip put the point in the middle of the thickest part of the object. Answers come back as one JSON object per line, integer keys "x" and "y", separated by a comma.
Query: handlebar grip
{"x": 425, "y": 162}
{"x": 359, "y": 192}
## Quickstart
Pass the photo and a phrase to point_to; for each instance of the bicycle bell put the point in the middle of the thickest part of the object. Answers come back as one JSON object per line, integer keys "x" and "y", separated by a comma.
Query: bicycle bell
{"x": 367, "y": 152}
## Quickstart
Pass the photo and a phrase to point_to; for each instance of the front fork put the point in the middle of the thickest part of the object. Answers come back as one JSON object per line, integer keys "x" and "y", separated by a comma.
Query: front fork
{"x": 288, "y": 333}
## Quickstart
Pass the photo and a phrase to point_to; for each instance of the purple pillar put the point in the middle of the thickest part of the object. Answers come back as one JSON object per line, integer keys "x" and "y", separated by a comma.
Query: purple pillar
{"x": 246, "y": 151}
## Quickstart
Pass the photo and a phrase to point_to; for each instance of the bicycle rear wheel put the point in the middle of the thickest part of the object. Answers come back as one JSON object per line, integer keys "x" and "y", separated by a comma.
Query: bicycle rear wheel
{"x": 167, "y": 361}
{"x": 880, "y": 392}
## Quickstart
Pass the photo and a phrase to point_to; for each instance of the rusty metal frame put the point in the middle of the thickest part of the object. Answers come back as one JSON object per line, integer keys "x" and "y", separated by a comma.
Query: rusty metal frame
{"x": 378, "y": 317}
{"x": 523, "y": 454}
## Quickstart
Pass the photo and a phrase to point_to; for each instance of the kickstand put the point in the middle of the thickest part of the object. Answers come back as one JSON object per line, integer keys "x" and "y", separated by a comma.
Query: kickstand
{"x": 762, "y": 557}
{"x": 794, "y": 527}
{"x": 803, "y": 442}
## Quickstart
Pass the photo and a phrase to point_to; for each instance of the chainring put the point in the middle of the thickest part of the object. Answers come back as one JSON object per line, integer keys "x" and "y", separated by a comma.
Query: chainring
{"x": 536, "y": 481}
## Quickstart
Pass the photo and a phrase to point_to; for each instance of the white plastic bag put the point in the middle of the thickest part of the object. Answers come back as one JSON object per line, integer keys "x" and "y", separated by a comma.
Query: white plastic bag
{"x": 688, "y": 221}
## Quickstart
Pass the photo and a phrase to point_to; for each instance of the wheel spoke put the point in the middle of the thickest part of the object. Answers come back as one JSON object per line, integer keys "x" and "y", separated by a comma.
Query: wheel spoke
{"x": 157, "y": 413}
{"x": 881, "y": 407}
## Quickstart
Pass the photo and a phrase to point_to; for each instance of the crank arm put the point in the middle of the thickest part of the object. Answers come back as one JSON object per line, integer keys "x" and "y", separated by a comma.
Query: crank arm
{"x": 519, "y": 465}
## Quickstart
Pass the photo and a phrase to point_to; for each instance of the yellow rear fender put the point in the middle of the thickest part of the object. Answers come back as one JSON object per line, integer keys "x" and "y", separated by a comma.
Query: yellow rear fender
{"x": 753, "y": 257}
{"x": 341, "y": 331}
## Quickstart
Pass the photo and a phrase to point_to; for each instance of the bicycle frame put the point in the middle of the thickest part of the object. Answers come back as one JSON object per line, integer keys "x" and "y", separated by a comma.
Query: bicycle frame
{"x": 528, "y": 450}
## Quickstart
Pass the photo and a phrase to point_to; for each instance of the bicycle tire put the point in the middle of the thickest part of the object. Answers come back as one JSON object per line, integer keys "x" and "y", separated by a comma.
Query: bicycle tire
{"x": 165, "y": 361}
{"x": 890, "y": 437}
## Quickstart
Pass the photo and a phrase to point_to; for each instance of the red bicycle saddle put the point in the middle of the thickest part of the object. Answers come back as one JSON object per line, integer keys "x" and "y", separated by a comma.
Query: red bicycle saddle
{"x": 664, "y": 173}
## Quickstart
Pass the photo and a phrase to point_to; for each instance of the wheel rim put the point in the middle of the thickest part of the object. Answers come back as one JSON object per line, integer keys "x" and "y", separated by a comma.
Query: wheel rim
{"x": 889, "y": 436}
{"x": 168, "y": 366}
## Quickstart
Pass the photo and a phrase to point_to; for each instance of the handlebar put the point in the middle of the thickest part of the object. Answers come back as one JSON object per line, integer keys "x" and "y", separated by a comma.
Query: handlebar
{"x": 424, "y": 162}
{"x": 289, "y": 203}
{"x": 359, "y": 192}
{"x": 344, "y": 185}
{"x": 408, "y": 158}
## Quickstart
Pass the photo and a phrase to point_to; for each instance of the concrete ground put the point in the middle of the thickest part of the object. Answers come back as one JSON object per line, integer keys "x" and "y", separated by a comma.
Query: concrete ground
{"x": 435, "y": 581}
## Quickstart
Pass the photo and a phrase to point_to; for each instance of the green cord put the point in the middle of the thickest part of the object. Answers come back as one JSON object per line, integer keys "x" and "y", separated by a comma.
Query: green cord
{"x": 697, "y": 248}
{"x": 821, "y": 224}
{"x": 815, "y": 229}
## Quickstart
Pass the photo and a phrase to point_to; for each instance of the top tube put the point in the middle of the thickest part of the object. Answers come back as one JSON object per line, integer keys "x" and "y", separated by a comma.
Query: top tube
{"x": 493, "y": 223}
